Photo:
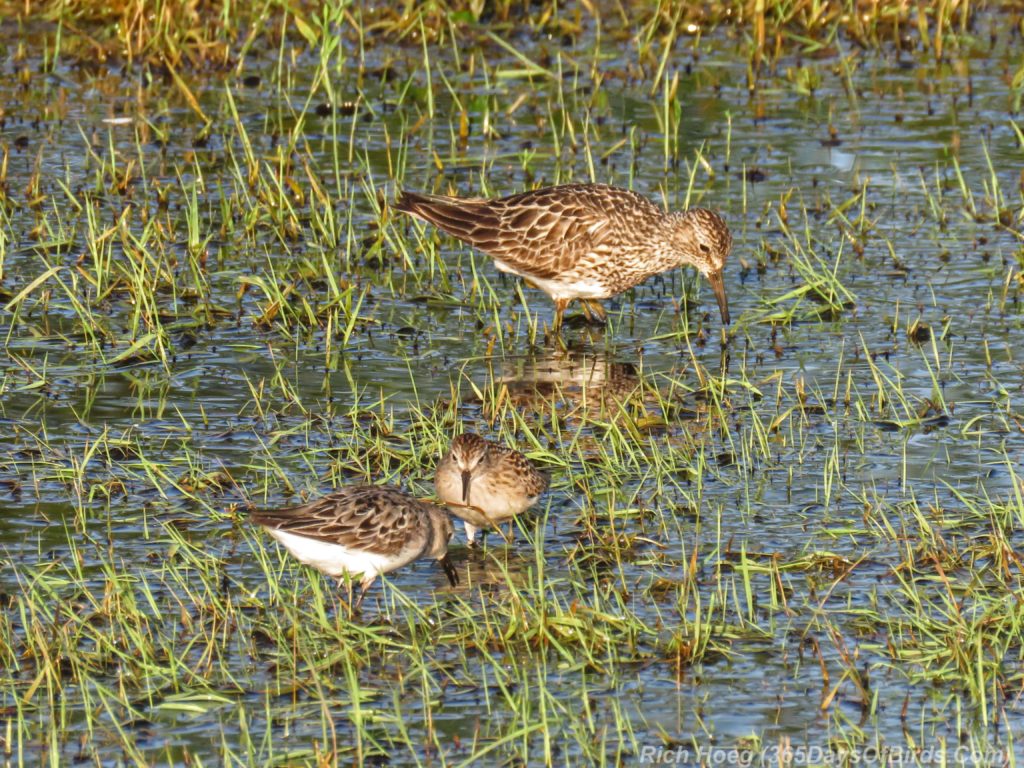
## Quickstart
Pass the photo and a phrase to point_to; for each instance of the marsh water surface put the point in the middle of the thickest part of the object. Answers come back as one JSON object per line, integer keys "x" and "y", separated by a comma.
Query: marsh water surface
{"x": 804, "y": 532}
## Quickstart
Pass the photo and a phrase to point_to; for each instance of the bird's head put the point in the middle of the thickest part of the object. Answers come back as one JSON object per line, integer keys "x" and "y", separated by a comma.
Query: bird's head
{"x": 702, "y": 239}
{"x": 468, "y": 451}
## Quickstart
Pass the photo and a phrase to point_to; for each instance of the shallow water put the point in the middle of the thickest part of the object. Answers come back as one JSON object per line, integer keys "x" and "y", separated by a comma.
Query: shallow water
{"x": 848, "y": 476}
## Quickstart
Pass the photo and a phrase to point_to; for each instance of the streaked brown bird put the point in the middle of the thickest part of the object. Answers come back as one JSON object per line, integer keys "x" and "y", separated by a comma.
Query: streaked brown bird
{"x": 362, "y": 531}
{"x": 486, "y": 484}
{"x": 582, "y": 241}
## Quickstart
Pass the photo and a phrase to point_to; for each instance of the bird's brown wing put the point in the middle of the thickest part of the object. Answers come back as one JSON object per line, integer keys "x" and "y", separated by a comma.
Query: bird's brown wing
{"x": 542, "y": 233}
{"x": 368, "y": 518}
{"x": 533, "y": 481}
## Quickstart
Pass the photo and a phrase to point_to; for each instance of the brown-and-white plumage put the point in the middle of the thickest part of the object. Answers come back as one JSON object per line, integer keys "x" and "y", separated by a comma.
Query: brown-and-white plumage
{"x": 582, "y": 241}
{"x": 484, "y": 483}
{"x": 361, "y": 531}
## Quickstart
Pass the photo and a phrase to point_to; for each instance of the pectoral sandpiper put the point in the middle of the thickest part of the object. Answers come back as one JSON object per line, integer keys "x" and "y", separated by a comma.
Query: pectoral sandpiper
{"x": 582, "y": 241}
{"x": 485, "y": 484}
{"x": 362, "y": 531}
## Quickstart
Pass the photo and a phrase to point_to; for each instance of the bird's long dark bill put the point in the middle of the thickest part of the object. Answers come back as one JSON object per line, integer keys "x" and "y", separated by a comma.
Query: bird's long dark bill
{"x": 465, "y": 487}
{"x": 450, "y": 571}
{"x": 718, "y": 286}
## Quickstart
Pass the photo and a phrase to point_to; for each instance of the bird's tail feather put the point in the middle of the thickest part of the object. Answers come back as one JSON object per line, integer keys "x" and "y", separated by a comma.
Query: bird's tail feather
{"x": 465, "y": 218}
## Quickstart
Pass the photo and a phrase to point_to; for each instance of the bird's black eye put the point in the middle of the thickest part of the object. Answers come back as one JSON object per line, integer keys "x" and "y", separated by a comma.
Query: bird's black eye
{"x": 705, "y": 248}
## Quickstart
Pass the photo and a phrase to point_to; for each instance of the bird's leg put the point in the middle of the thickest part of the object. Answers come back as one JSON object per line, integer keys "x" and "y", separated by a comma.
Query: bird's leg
{"x": 560, "y": 305}
{"x": 501, "y": 532}
{"x": 346, "y": 582}
{"x": 364, "y": 585}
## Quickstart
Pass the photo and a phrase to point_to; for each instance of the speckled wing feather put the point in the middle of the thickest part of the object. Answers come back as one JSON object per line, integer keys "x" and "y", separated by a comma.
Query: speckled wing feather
{"x": 369, "y": 518}
{"x": 541, "y": 233}
{"x": 532, "y": 480}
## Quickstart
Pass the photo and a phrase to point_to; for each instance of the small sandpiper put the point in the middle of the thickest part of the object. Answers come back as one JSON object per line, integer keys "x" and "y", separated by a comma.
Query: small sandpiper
{"x": 582, "y": 241}
{"x": 484, "y": 484}
{"x": 362, "y": 532}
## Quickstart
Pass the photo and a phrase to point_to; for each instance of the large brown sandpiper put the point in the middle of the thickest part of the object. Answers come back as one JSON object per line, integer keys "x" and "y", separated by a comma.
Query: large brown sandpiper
{"x": 582, "y": 241}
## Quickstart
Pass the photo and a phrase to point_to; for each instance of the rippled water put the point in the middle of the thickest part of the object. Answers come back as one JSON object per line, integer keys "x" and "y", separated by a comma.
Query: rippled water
{"x": 905, "y": 131}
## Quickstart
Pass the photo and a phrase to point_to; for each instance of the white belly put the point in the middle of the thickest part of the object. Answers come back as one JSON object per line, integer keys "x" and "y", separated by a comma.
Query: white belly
{"x": 334, "y": 559}
{"x": 569, "y": 288}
